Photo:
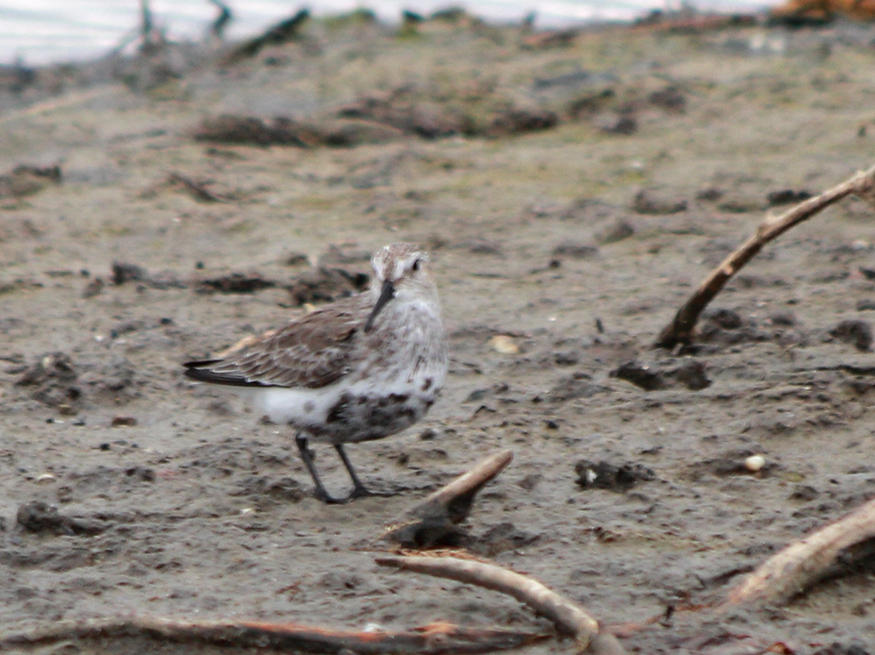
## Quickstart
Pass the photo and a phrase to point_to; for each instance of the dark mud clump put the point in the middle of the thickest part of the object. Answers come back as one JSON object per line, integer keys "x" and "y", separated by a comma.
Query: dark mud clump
{"x": 125, "y": 272}
{"x": 38, "y": 517}
{"x": 53, "y": 380}
{"x": 856, "y": 332}
{"x": 325, "y": 285}
{"x": 27, "y": 180}
{"x": 614, "y": 477}
{"x": 690, "y": 374}
{"x": 233, "y": 129}
{"x": 237, "y": 282}
{"x": 427, "y": 113}
{"x": 283, "y": 131}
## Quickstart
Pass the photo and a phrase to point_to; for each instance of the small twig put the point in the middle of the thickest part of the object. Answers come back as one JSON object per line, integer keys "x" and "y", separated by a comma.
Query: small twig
{"x": 432, "y": 522}
{"x": 197, "y": 190}
{"x": 819, "y": 555}
{"x": 434, "y": 639}
{"x": 152, "y": 39}
{"x": 146, "y": 23}
{"x": 680, "y": 330}
{"x": 569, "y": 618}
{"x": 222, "y": 19}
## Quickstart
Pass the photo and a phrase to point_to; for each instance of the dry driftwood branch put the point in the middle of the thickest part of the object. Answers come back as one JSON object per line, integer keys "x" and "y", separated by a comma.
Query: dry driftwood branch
{"x": 569, "y": 618}
{"x": 680, "y": 330}
{"x": 433, "y": 639}
{"x": 432, "y": 522}
{"x": 821, "y": 554}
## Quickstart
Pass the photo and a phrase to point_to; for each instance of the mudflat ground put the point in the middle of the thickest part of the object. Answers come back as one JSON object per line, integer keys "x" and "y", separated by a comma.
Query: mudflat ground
{"x": 572, "y": 198}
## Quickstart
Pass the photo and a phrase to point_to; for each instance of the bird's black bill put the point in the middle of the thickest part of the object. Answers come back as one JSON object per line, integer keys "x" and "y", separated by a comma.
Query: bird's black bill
{"x": 386, "y": 294}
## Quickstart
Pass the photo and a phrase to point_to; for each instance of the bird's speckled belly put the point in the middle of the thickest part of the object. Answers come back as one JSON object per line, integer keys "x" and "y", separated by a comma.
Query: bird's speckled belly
{"x": 362, "y": 417}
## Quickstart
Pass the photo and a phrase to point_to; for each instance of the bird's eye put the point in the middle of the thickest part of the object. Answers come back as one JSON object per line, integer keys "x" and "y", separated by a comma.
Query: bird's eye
{"x": 415, "y": 266}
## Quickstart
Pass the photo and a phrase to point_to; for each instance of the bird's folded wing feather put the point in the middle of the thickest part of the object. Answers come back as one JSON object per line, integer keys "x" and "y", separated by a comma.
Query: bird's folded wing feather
{"x": 311, "y": 352}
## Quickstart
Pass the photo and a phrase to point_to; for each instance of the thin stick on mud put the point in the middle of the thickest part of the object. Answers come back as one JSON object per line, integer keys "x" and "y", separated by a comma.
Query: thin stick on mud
{"x": 433, "y": 639}
{"x": 680, "y": 330}
{"x": 568, "y": 617}
{"x": 432, "y": 522}
{"x": 197, "y": 190}
{"x": 824, "y": 553}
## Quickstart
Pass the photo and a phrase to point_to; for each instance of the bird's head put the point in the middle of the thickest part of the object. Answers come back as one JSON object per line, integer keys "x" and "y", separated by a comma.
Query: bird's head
{"x": 400, "y": 272}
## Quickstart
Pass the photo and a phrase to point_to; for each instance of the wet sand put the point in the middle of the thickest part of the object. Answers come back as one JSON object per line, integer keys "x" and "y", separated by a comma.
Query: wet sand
{"x": 578, "y": 237}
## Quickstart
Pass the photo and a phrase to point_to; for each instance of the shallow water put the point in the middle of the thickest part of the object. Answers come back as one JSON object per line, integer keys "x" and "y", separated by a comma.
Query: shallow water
{"x": 54, "y": 30}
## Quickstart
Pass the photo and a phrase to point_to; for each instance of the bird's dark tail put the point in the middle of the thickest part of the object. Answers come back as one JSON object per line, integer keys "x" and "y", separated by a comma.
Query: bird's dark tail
{"x": 203, "y": 371}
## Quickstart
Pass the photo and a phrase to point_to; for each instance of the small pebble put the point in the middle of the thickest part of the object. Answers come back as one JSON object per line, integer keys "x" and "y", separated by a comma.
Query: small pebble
{"x": 504, "y": 344}
{"x": 755, "y": 463}
{"x": 45, "y": 478}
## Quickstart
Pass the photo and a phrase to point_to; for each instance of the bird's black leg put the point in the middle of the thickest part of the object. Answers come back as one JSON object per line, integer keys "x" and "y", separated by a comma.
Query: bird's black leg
{"x": 359, "y": 489}
{"x": 306, "y": 455}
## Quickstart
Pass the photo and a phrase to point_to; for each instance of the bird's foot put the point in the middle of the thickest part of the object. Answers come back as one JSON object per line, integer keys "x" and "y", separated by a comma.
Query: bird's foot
{"x": 325, "y": 497}
{"x": 384, "y": 492}
{"x": 359, "y": 491}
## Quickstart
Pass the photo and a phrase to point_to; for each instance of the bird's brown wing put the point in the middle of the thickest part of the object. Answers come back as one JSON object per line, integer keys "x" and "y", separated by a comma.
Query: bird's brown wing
{"x": 311, "y": 352}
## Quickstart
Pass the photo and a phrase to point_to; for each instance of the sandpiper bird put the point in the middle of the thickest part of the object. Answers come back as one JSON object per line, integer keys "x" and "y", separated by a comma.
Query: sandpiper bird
{"x": 362, "y": 368}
